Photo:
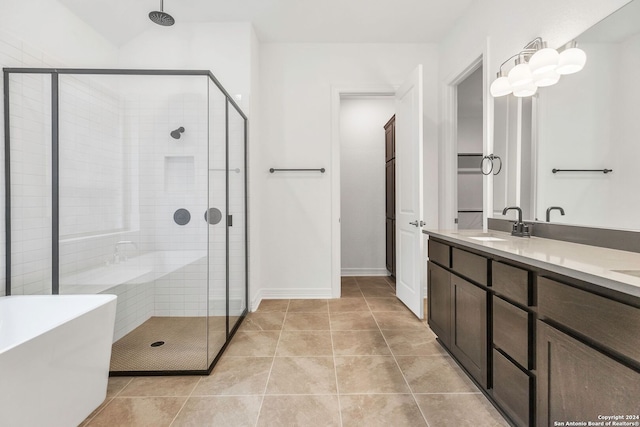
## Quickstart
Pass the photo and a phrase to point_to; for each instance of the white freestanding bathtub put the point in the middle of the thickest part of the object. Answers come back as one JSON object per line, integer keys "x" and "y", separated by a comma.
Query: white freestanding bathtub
{"x": 54, "y": 357}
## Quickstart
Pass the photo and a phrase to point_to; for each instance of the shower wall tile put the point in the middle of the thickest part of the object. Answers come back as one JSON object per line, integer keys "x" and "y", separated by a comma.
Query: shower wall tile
{"x": 134, "y": 306}
{"x": 30, "y": 185}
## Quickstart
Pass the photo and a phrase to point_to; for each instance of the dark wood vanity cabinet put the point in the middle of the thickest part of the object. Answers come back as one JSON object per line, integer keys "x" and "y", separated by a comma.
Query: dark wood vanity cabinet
{"x": 439, "y": 302}
{"x": 578, "y": 382}
{"x": 457, "y": 308}
{"x": 513, "y": 347}
{"x": 512, "y": 388}
{"x": 468, "y": 341}
{"x": 588, "y": 352}
{"x": 390, "y": 192}
{"x": 543, "y": 351}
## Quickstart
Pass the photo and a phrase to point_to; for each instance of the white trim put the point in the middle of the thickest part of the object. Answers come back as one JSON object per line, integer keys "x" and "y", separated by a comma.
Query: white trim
{"x": 364, "y": 272}
{"x": 336, "y": 93}
{"x": 255, "y": 302}
{"x": 534, "y": 155}
{"x": 290, "y": 293}
{"x": 487, "y": 138}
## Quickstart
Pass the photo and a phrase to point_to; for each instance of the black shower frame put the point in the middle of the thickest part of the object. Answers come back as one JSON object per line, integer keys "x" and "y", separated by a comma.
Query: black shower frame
{"x": 55, "y": 117}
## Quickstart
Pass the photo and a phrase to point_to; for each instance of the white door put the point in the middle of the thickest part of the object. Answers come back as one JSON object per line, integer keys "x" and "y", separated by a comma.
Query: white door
{"x": 409, "y": 193}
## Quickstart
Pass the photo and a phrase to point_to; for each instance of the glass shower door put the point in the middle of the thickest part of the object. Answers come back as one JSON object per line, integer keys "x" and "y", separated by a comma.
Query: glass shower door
{"x": 237, "y": 220}
{"x": 216, "y": 215}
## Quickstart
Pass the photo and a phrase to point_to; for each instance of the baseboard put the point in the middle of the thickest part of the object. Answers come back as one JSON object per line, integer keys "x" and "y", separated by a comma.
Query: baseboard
{"x": 288, "y": 293}
{"x": 364, "y": 272}
{"x": 256, "y": 300}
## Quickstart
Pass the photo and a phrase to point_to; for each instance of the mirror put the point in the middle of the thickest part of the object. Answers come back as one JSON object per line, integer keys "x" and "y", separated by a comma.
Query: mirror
{"x": 513, "y": 142}
{"x": 590, "y": 122}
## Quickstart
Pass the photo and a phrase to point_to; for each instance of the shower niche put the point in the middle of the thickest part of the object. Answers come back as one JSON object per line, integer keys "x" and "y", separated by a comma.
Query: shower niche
{"x": 100, "y": 163}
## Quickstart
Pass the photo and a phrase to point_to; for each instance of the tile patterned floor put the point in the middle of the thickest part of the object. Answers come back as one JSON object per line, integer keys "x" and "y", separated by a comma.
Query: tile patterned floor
{"x": 362, "y": 360}
{"x": 184, "y": 348}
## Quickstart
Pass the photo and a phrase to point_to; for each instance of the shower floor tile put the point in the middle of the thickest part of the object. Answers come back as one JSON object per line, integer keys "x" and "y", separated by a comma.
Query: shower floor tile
{"x": 184, "y": 348}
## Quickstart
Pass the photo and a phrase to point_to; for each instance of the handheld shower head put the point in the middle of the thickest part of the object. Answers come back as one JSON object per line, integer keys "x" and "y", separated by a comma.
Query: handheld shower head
{"x": 176, "y": 134}
{"x": 161, "y": 17}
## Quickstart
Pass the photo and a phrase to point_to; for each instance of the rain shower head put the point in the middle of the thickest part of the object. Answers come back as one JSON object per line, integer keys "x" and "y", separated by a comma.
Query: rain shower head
{"x": 161, "y": 17}
{"x": 176, "y": 134}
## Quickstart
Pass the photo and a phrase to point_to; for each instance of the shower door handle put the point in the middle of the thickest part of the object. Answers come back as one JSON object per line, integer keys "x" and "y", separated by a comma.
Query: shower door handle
{"x": 229, "y": 220}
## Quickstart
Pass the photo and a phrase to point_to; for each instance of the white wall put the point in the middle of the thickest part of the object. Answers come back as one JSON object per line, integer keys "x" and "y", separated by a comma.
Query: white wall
{"x": 222, "y": 48}
{"x": 502, "y": 28}
{"x": 51, "y": 35}
{"x": 362, "y": 184}
{"x": 253, "y": 159}
{"x": 294, "y": 225}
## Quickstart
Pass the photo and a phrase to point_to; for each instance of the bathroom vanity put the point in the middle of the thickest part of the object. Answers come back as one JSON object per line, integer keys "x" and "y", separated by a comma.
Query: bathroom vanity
{"x": 549, "y": 330}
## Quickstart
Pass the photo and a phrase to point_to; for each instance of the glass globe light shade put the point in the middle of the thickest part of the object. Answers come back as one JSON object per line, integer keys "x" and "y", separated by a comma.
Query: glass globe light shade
{"x": 500, "y": 87}
{"x": 544, "y": 60}
{"x": 549, "y": 78}
{"x": 520, "y": 75}
{"x": 525, "y": 90}
{"x": 571, "y": 61}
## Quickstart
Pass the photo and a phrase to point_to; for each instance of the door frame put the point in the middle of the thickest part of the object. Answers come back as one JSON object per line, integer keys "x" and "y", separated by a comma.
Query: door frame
{"x": 479, "y": 56}
{"x": 337, "y": 92}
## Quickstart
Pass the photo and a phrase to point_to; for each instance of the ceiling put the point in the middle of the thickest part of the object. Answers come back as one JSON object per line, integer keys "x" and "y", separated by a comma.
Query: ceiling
{"x": 293, "y": 21}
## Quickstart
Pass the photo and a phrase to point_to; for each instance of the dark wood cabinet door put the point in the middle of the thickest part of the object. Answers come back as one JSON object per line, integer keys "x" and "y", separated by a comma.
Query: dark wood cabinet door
{"x": 389, "y": 139}
{"x": 391, "y": 253}
{"x": 511, "y": 331}
{"x": 439, "y": 301}
{"x": 390, "y": 189}
{"x": 579, "y": 383}
{"x": 469, "y": 327}
{"x": 512, "y": 389}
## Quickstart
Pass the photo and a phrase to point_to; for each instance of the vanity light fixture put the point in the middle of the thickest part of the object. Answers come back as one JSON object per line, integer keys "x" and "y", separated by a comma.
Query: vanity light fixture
{"x": 525, "y": 90}
{"x": 501, "y": 86}
{"x": 537, "y": 65}
{"x": 572, "y": 59}
{"x": 544, "y": 60}
{"x": 520, "y": 75}
{"x": 548, "y": 78}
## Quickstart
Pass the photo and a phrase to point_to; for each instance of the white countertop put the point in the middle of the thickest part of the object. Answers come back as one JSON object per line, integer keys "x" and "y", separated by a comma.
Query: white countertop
{"x": 588, "y": 263}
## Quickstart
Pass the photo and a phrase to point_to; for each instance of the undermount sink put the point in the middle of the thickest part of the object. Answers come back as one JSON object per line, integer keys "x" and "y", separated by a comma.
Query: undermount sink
{"x": 487, "y": 239}
{"x": 635, "y": 273}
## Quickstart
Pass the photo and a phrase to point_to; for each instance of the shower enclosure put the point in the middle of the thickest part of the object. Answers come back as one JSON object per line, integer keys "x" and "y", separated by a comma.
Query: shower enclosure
{"x": 133, "y": 183}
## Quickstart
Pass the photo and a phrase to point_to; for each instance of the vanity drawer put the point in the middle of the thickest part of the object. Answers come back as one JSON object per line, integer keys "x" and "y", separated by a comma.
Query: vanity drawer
{"x": 512, "y": 283}
{"x": 469, "y": 265}
{"x": 610, "y": 323}
{"x": 511, "y": 331}
{"x": 440, "y": 253}
{"x": 512, "y": 389}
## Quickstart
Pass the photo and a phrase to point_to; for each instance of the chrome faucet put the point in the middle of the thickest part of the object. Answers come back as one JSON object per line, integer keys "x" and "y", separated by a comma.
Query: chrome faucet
{"x": 117, "y": 255}
{"x": 519, "y": 228}
{"x": 552, "y": 208}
